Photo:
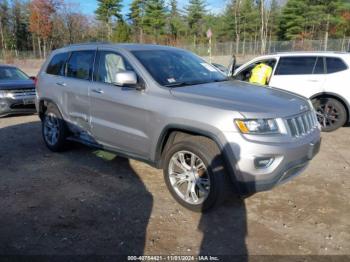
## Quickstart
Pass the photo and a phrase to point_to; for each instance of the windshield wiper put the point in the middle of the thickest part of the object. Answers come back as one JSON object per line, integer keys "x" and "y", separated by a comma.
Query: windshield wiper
{"x": 184, "y": 83}
{"x": 188, "y": 83}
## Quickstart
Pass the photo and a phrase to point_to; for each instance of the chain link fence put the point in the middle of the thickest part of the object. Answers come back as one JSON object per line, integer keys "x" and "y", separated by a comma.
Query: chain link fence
{"x": 254, "y": 48}
{"x": 241, "y": 49}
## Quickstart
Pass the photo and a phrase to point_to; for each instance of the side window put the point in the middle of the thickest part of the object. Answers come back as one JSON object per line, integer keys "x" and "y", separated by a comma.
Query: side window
{"x": 109, "y": 65}
{"x": 335, "y": 65}
{"x": 302, "y": 65}
{"x": 56, "y": 65}
{"x": 245, "y": 74}
{"x": 80, "y": 65}
{"x": 319, "y": 66}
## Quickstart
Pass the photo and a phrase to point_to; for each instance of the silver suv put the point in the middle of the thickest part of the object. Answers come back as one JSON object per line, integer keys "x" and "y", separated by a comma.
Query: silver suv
{"x": 168, "y": 107}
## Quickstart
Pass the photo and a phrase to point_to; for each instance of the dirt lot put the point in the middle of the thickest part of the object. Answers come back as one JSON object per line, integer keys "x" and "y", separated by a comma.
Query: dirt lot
{"x": 85, "y": 201}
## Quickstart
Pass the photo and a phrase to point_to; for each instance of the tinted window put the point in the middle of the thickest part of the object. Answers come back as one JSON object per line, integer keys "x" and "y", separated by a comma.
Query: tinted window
{"x": 109, "y": 65}
{"x": 11, "y": 73}
{"x": 319, "y": 66}
{"x": 335, "y": 65}
{"x": 178, "y": 68}
{"x": 296, "y": 65}
{"x": 80, "y": 65}
{"x": 56, "y": 66}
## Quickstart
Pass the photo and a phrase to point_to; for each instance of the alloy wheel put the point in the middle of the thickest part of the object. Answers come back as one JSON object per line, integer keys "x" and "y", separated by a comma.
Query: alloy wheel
{"x": 189, "y": 177}
{"x": 327, "y": 114}
{"x": 51, "y": 129}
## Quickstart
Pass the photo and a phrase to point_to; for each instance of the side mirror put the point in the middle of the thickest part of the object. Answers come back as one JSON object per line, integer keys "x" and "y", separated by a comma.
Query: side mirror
{"x": 126, "y": 78}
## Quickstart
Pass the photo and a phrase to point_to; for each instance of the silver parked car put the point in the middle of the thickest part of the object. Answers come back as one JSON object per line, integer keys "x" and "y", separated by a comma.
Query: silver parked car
{"x": 168, "y": 107}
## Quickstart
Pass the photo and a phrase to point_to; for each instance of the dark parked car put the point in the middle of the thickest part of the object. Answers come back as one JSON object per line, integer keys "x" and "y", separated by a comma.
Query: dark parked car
{"x": 17, "y": 91}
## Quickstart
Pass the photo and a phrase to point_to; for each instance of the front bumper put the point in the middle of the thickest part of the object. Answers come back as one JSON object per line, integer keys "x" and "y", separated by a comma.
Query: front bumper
{"x": 23, "y": 105}
{"x": 289, "y": 160}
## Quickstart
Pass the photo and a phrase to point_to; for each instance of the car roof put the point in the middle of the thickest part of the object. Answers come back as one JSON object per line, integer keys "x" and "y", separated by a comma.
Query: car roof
{"x": 308, "y": 53}
{"x": 129, "y": 47}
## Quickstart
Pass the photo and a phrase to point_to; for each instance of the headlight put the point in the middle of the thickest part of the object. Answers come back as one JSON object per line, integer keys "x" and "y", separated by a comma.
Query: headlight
{"x": 257, "y": 126}
{"x": 2, "y": 94}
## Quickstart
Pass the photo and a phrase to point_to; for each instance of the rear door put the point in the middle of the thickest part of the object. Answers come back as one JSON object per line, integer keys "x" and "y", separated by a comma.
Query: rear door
{"x": 304, "y": 75}
{"x": 75, "y": 86}
{"x": 338, "y": 77}
{"x": 119, "y": 118}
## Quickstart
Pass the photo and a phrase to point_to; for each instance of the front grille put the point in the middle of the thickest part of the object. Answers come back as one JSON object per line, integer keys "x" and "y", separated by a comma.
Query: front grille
{"x": 302, "y": 124}
{"x": 20, "y": 93}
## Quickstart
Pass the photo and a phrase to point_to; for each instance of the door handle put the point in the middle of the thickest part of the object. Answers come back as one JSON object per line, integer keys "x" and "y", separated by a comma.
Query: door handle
{"x": 61, "y": 84}
{"x": 97, "y": 91}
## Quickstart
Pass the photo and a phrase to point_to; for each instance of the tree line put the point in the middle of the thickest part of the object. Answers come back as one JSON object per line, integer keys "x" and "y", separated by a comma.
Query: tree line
{"x": 42, "y": 25}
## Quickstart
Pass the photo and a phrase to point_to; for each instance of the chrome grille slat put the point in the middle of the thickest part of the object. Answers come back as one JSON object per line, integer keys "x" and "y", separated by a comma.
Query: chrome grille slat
{"x": 20, "y": 93}
{"x": 306, "y": 123}
{"x": 302, "y": 124}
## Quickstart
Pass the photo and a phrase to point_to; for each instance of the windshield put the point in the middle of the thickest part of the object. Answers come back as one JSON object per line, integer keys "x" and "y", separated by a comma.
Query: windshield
{"x": 173, "y": 68}
{"x": 11, "y": 73}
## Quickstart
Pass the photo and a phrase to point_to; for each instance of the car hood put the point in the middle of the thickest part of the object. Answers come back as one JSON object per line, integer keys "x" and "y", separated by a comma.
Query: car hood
{"x": 250, "y": 100}
{"x": 16, "y": 84}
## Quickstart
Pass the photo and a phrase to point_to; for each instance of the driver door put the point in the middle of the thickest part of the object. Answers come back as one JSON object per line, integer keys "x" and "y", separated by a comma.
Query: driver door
{"x": 245, "y": 74}
{"x": 117, "y": 118}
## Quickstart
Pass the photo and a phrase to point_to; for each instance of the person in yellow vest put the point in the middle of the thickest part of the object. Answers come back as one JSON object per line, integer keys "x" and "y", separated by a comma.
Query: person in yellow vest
{"x": 261, "y": 74}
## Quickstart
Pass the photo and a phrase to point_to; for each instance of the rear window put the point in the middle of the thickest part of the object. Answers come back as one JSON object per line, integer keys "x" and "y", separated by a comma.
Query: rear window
{"x": 56, "y": 66}
{"x": 303, "y": 65}
{"x": 335, "y": 65}
{"x": 80, "y": 65}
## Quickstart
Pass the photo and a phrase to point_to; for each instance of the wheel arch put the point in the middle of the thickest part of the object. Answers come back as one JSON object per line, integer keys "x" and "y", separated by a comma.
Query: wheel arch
{"x": 42, "y": 106}
{"x": 337, "y": 97}
{"x": 169, "y": 135}
{"x": 172, "y": 132}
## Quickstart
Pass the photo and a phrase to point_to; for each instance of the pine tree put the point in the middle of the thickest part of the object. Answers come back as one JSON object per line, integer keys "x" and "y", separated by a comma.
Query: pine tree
{"x": 311, "y": 18}
{"x": 136, "y": 17}
{"x": 107, "y": 11}
{"x": 155, "y": 19}
{"x": 176, "y": 26}
{"x": 195, "y": 14}
{"x": 4, "y": 24}
{"x": 20, "y": 26}
{"x": 121, "y": 33}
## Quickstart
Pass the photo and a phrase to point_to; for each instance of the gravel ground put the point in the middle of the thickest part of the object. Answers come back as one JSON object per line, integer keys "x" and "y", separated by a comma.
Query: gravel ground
{"x": 85, "y": 201}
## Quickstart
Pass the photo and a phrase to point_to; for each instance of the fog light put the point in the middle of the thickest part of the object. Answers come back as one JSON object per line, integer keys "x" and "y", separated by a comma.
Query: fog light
{"x": 263, "y": 162}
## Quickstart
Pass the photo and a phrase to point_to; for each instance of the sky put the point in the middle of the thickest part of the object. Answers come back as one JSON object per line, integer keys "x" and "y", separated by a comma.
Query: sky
{"x": 89, "y": 6}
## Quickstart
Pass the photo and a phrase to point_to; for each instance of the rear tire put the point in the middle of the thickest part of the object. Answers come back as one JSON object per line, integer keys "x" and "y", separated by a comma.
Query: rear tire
{"x": 201, "y": 172}
{"x": 54, "y": 129}
{"x": 331, "y": 114}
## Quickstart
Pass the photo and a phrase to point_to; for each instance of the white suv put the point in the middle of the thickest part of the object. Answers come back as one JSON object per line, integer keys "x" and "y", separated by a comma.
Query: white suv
{"x": 324, "y": 77}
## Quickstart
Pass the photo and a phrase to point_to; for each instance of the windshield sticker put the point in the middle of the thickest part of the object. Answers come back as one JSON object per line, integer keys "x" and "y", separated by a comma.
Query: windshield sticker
{"x": 171, "y": 80}
{"x": 209, "y": 67}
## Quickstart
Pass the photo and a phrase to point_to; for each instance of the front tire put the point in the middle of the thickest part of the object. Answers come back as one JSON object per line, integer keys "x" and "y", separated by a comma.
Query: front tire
{"x": 195, "y": 174}
{"x": 331, "y": 114}
{"x": 54, "y": 129}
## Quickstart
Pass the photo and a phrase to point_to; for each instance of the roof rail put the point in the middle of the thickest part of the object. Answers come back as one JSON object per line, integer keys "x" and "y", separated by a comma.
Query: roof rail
{"x": 91, "y": 43}
{"x": 332, "y": 52}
